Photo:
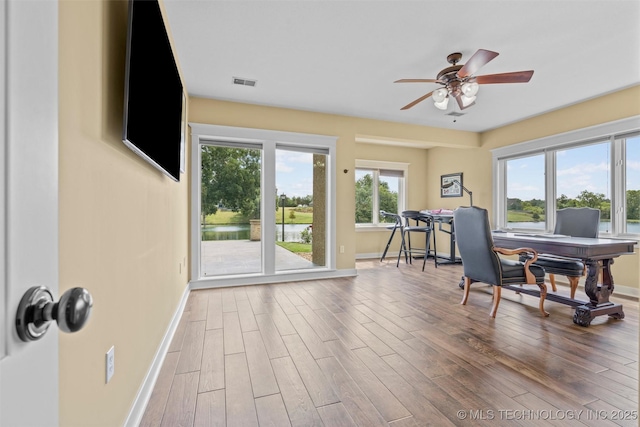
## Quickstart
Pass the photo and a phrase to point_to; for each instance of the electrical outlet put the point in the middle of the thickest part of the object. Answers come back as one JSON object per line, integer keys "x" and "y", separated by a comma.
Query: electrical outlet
{"x": 110, "y": 364}
{"x": 341, "y": 249}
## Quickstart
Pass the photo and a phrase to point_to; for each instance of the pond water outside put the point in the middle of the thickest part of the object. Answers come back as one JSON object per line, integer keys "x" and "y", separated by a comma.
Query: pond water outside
{"x": 243, "y": 232}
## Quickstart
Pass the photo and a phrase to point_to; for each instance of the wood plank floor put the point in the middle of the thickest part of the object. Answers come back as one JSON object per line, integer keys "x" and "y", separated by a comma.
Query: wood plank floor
{"x": 393, "y": 346}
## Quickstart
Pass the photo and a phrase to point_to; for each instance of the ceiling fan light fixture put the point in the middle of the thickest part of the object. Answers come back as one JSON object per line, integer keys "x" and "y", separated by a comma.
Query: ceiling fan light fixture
{"x": 467, "y": 100}
{"x": 442, "y": 104}
{"x": 439, "y": 95}
{"x": 470, "y": 89}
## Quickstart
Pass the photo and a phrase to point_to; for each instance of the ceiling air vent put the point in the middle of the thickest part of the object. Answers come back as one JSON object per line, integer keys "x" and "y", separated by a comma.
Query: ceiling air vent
{"x": 244, "y": 82}
{"x": 454, "y": 114}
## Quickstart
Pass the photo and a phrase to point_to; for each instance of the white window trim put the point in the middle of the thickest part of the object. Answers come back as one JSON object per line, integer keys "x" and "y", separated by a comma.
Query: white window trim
{"x": 269, "y": 141}
{"x": 548, "y": 145}
{"x": 402, "y": 190}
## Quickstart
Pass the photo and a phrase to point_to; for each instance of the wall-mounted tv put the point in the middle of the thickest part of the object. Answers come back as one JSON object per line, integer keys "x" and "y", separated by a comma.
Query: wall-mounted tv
{"x": 153, "y": 99}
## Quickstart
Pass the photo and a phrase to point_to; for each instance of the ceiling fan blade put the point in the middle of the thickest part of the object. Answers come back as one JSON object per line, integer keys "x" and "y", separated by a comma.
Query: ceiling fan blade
{"x": 479, "y": 59}
{"x": 461, "y": 104}
{"x": 417, "y": 81}
{"x": 515, "y": 77}
{"x": 411, "y": 104}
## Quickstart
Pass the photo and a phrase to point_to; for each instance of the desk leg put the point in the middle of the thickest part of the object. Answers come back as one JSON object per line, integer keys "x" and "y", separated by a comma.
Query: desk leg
{"x": 599, "y": 303}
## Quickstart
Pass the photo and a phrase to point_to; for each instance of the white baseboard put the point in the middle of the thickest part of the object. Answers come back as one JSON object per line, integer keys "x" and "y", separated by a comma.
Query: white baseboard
{"x": 144, "y": 393}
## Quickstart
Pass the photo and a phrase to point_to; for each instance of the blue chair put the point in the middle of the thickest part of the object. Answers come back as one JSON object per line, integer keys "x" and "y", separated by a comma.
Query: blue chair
{"x": 481, "y": 260}
{"x": 574, "y": 222}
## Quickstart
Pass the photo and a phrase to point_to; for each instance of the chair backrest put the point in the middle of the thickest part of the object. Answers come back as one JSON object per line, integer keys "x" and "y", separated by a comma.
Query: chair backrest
{"x": 397, "y": 218}
{"x": 577, "y": 222}
{"x": 473, "y": 236}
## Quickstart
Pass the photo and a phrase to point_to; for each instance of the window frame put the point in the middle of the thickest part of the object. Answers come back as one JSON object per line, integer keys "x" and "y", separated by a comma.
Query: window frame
{"x": 376, "y": 166}
{"x": 614, "y": 132}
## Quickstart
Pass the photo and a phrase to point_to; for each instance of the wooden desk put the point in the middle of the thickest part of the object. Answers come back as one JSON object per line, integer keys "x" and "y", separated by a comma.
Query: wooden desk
{"x": 597, "y": 254}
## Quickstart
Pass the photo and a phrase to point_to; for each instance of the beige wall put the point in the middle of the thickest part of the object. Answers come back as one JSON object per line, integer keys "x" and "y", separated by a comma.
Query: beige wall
{"x": 123, "y": 225}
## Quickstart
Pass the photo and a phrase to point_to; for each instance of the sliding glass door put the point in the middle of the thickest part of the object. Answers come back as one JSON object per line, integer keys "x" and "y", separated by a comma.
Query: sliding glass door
{"x": 301, "y": 187}
{"x": 230, "y": 209}
{"x": 263, "y": 204}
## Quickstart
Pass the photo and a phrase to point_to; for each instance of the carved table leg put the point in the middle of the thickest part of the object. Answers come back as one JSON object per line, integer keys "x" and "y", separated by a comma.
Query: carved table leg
{"x": 599, "y": 303}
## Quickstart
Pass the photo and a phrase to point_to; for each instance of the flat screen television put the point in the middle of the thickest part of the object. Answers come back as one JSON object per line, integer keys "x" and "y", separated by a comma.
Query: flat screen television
{"x": 153, "y": 99}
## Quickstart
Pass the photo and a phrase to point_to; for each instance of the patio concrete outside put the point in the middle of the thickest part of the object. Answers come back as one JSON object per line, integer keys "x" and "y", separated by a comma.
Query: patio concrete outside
{"x": 223, "y": 257}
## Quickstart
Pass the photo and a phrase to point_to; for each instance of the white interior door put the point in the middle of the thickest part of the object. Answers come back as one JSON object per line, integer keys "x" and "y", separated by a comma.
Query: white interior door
{"x": 28, "y": 204}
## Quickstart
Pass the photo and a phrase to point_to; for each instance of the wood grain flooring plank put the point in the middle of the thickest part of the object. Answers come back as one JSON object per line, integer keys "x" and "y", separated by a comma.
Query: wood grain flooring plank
{"x": 364, "y": 334}
{"x": 240, "y": 406}
{"x": 271, "y": 337}
{"x": 404, "y": 323}
{"x": 271, "y": 411}
{"x": 438, "y": 397}
{"x": 228, "y": 301}
{"x": 210, "y": 409}
{"x": 191, "y": 353}
{"x": 280, "y": 319}
{"x": 423, "y": 411}
{"x": 263, "y": 380}
{"x": 292, "y": 295}
{"x": 199, "y": 305}
{"x": 212, "y": 368}
{"x": 309, "y": 299}
{"x": 233, "y": 342}
{"x": 214, "y": 312}
{"x": 336, "y": 415}
{"x": 360, "y": 408}
{"x": 246, "y": 316}
{"x": 285, "y": 304}
{"x": 314, "y": 380}
{"x": 257, "y": 305}
{"x": 429, "y": 364}
{"x": 181, "y": 404}
{"x": 396, "y": 330}
{"x": 157, "y": 402}
{"x": 385, "y": 402}
{"x": 323, "y": 331}
{"x": 308, "y": 334}
{"x": 342, "y": 332}
{"x": 300, "y": 407}
{"x": 542, "y": 407}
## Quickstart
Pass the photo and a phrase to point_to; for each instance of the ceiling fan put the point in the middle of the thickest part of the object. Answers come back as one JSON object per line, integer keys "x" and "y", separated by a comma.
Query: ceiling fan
{"x": 459, "y": 82}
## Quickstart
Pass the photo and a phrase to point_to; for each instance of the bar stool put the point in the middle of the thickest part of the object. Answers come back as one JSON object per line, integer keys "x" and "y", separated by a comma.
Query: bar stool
{"x": 397, "y": 225}
{"x": 405, "y": 246}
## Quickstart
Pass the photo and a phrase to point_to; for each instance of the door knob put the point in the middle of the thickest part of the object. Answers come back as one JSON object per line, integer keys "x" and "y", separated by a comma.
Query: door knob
{"x": 37, "y": 310}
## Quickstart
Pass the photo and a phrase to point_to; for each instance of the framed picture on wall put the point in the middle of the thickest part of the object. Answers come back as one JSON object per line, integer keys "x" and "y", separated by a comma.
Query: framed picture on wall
{"x": 451, "y": 185}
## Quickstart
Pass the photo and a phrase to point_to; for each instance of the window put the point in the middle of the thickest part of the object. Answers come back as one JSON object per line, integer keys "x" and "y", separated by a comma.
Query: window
{"x": 379, "y": 186}
{"x": 596, "y": 167}
{"x": 526, "y": 206}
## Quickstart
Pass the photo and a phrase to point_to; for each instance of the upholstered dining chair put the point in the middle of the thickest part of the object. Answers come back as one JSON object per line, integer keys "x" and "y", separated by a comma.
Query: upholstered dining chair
{"x": 574, "y": 222}
{"x": 482, "y": 262}
{"x": 406, "y": 247}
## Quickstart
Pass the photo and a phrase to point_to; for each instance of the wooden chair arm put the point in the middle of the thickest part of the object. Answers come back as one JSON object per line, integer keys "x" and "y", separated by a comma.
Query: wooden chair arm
{"x": 531, "y": 279}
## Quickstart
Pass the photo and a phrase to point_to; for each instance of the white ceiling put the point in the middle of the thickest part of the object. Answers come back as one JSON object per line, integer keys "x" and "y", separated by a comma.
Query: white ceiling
{"x": 342, "y": 57}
